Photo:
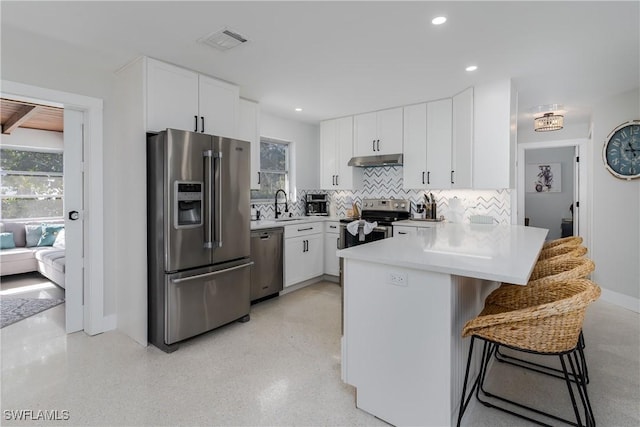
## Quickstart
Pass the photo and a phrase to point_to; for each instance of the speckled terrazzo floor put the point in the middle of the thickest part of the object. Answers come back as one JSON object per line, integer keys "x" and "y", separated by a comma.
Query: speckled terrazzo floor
{"x": 281, "y": 368}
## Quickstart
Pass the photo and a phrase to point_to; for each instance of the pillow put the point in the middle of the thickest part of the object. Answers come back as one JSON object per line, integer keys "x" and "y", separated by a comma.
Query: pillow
{"x": 33, "y": 232}
{"x": 59, "y": 243}
{"x": 6, "y": 240}
{"x": 49, "y": 234}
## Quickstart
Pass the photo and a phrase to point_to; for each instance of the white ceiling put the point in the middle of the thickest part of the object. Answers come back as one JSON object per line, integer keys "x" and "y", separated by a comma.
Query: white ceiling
{"x": 340, "y": 58}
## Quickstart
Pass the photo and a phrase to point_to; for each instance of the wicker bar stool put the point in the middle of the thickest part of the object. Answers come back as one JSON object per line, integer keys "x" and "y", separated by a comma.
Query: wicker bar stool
{"x": 546, "y": 275}
{"x": 571, "y": 240}
{"x": 570, "y": 250}
{"x": 549, "y": 326}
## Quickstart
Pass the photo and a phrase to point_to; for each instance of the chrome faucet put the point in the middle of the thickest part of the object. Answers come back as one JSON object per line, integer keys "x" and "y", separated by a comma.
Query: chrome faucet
{"x": 286, "y": 206}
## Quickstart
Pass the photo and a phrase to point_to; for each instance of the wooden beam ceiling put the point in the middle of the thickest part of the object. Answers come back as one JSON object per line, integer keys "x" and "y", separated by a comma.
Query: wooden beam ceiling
{"x": 16, "y": 114}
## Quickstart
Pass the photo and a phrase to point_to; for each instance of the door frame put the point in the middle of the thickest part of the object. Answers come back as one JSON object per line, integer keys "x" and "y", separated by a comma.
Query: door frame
{"x": 92, "y": 109}
{"x": 580, "y": 180}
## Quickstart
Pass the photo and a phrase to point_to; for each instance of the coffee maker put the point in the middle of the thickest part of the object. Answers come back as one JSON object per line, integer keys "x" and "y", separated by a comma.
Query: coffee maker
{"x": 317, "y": 204}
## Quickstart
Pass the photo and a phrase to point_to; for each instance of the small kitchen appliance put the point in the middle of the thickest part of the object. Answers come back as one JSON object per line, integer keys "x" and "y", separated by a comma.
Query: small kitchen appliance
{"x": 317, "y": 204}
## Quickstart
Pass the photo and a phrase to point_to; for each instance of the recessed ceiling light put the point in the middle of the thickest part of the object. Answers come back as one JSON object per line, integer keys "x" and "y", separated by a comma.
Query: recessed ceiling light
{"x": 471, "y": 68}
{"x": 298, "y": 109}
{"x": 439, "y": 20}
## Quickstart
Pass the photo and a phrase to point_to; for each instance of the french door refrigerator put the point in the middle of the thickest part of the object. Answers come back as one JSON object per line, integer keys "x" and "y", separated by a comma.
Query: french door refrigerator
{"x": 198, "y": 234}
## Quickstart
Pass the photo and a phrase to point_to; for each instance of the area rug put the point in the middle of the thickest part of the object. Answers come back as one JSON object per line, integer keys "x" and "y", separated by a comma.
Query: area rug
{"x": 15, "y": 309}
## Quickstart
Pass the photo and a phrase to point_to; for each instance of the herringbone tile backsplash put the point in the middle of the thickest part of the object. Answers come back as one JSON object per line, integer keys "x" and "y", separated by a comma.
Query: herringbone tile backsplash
{"x": 386, "y": 182}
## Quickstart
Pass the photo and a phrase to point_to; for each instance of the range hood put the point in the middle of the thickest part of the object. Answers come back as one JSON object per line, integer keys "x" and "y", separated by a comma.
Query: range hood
{"x": 376, "y": 161}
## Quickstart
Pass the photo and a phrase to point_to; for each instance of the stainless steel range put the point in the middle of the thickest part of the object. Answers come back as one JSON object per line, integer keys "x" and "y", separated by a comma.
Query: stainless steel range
{"x": 383, "y": 211}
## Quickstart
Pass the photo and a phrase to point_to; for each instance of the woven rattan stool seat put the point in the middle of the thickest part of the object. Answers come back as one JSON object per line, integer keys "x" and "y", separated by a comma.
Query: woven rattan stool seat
{"x": 570, "y": 250}
{"x": 571, "y": 240}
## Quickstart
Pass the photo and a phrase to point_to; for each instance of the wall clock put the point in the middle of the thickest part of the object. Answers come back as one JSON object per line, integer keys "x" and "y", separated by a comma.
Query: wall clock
{"x": 621, "y": 151}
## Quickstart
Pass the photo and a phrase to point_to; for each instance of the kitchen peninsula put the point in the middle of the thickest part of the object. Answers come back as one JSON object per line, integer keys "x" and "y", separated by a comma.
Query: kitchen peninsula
{"x": 405, "y": 302}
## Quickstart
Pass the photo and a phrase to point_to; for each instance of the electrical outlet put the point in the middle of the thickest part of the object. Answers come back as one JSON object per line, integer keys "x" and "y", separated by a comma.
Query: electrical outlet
{"x": 398, "y": 279}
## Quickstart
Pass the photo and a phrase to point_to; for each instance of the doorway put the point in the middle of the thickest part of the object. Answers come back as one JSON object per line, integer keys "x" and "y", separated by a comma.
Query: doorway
{"x": 552, "y": 182}
{"x": 83, "y": 115}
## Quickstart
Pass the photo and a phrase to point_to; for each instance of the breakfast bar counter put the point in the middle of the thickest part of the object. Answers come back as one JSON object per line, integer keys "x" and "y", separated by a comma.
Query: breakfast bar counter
{"x": 405, "y": 301}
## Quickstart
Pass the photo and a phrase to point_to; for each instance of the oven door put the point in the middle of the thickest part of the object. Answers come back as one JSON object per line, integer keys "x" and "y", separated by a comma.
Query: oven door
{"x": 348, "y": 240}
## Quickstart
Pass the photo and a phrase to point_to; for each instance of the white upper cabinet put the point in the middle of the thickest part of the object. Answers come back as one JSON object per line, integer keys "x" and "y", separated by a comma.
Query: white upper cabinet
{"x": 415, "y": 147}
{"x": 378, "y": 133}
{"x": 172, "y": 97}
{"x": 218, "y": 107}
{"x": 462, "y": 142}
{"x": 336, "y": 149}
{"x": 182, "y": 99}
{"x": 427, "y": 145}
{"x": 439, "y": 120}
{"x": 494, "y": 135}
{"x": 249, "y": 130}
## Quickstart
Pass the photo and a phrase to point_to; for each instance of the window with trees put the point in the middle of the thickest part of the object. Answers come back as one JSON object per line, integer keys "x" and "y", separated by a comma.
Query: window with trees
{"x": 274, "y": 169}
{"x": 31, "y": 184}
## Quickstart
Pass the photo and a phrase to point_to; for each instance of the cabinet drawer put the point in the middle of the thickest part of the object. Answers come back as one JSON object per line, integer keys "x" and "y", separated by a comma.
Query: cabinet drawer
{"x": 332, "y": 227}
{"x": 302, "y": 229}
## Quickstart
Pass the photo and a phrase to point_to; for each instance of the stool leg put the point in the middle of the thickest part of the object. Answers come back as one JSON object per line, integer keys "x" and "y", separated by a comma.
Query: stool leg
{"x": 570, "y": 388}
{"x": 464, "y": 402}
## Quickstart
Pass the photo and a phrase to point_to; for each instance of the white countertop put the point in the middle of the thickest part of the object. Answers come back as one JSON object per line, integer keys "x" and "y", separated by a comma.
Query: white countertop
{"x": 273, "y": 223}
{"x": 504, "y": 253}
{"x": 417, "y": 223}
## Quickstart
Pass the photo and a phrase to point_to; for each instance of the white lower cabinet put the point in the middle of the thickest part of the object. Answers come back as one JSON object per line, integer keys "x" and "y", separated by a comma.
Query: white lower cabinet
{"x": 409, "y": 230}
{"x": 331, "y": 240}
{"x": 303, "y": 252}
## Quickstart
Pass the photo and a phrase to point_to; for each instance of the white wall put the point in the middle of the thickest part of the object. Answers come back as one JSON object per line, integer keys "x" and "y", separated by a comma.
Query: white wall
{"x": 33, "y": 139}
{"x": 77, "y": 71}
{"x": 306, "y": 139}
{"x": 546, "y": 210}
{"x": 570, "y": 131}
{"x": 615, "y": 209}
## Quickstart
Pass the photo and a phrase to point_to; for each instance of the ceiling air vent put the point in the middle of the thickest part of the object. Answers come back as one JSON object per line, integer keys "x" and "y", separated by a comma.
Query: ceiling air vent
{"x": 224, "y": 39}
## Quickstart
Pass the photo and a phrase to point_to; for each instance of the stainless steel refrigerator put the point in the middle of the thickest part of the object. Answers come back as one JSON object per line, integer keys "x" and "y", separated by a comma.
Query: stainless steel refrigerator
{"x": 198, "y": 234}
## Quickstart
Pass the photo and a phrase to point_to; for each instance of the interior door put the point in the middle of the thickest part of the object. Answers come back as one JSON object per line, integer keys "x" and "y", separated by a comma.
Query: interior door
{"x": 73, "y": 180}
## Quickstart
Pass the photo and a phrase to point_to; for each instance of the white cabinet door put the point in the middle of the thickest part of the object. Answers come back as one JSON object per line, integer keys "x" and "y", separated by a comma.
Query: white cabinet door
{"x": 365, "y": 134}
{"x": 494, "y": 139}
{"x": 331, "y": 261}
{"x": 328, "y": 155}
{"x": 347, "y": 177}
{"x": 389, "y": 124}
{"x": 439, "y": 144}
{"x": 414, "y": 169}
{"x": 304, "y": 258}
{"x": 314, "y": 256}
{"x": 218, "y": 107}
{"x": 404, "y": 230}
{"x": 336, "y": 149}
{"x": 172, "y": 97}
{"x": 462, "y": 139}
{"x": 249, "y": 130}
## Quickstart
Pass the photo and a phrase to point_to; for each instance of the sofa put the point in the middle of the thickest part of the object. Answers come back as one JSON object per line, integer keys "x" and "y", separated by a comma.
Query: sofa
{"x": 38, "y": 246}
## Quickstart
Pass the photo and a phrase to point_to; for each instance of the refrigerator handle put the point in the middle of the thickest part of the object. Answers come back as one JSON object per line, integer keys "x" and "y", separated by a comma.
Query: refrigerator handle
{"x": 208, "y": 179}
{"x": 213, "y": 273}
{"x": 217, "y": 232}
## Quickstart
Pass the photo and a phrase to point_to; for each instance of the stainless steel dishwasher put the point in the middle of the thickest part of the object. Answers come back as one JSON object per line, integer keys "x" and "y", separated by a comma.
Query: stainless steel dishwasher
{"x": 266, "y": 271}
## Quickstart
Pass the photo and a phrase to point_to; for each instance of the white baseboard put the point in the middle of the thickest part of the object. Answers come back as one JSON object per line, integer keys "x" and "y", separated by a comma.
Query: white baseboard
{"x": 622, "y": 300}
{"x": 109, "y": 322}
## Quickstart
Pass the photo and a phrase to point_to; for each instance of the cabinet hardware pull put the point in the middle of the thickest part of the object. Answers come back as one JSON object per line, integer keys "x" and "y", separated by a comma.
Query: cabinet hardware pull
{"x": 402, "y": 232}
{"x": 196, "y": 129}
{"x": 258, "y": 178}
{"x": 202, "y": 119}
{"x": 452, "y": 178}
{"x": 337, "y": 179}
{"x": 422, "y": 177}
{"x": 378, "y": 145}
{"x": 338, "y": 243}
{"x": 428, "y": 177}
{"x": 305, "y": 229}
{"x": 332, "y": 226}
{"x": 373, "y": 145}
